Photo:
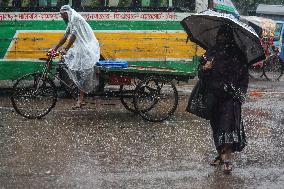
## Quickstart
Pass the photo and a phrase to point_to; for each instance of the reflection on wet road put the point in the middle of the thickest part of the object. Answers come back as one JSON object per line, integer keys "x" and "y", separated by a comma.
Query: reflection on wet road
{"x": 105, "y": 146}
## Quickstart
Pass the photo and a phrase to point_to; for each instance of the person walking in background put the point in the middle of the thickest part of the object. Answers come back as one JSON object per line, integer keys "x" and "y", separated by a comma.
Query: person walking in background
{"x": 82, "y": 52}
{"x": 225, "y": 76}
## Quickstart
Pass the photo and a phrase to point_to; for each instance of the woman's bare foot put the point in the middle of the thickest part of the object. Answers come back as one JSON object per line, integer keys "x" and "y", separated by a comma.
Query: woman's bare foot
{"x": 217, "y": 161}
{"x": 228, "y": 167}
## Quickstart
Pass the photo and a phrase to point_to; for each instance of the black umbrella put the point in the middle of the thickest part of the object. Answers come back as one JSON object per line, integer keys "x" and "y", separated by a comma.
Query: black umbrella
{"x": 202, "y": 29}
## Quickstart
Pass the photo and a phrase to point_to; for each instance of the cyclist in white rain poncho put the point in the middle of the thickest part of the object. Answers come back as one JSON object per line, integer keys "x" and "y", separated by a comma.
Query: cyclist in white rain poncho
{"x": 82, "y": 57}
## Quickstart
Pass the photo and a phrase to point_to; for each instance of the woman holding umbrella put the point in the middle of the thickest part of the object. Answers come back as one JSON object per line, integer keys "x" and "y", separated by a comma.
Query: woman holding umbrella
{"x": 225, "y": 75}
{"x": 231, "y": 46}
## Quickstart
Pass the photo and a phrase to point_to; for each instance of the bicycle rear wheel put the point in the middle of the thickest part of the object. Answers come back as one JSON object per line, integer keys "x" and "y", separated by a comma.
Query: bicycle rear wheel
{"x": 273, "y": 69}
{"x": 33, "y": 96}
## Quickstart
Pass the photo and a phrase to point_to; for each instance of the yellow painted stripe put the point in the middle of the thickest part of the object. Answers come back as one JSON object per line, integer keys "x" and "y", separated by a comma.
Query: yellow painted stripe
{"x": 129, "y": 45}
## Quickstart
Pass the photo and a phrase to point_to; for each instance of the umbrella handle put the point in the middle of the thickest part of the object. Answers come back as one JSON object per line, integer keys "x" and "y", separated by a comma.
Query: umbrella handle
{"x": 187, "y": 39}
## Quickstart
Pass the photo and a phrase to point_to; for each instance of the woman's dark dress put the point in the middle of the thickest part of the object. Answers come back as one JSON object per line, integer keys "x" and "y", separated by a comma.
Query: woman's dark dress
{"x": 228, "y": 68}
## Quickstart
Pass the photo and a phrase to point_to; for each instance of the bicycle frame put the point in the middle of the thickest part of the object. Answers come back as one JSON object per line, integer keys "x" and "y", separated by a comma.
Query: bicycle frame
{"x": 47, "y": 71}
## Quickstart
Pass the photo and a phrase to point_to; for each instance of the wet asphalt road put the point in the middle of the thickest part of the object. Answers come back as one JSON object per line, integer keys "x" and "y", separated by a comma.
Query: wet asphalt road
{"x": 105, "y": 146}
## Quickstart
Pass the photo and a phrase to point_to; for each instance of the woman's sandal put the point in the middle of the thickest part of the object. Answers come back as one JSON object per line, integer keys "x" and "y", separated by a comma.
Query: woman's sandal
{"x": 228, "y": 167}
{"x": 217, "y": 161}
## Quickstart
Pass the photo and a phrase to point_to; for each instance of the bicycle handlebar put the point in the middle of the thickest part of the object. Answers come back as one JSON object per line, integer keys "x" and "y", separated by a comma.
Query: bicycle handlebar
{"x": 52, "y": 53}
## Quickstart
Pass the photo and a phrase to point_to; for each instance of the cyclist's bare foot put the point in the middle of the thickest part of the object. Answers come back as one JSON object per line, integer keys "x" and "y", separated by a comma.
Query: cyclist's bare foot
{"x": 76, "y": 106}
{"x": 83, "y": 103}
{"x": 79, "y": 105}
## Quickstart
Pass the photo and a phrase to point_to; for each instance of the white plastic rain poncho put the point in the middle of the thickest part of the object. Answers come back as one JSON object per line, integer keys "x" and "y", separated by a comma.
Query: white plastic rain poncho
{"x": 85, "y": 53}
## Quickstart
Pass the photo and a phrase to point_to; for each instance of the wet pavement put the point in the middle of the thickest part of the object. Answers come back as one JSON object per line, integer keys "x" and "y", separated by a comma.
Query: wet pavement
{"x": 105, "y": 146}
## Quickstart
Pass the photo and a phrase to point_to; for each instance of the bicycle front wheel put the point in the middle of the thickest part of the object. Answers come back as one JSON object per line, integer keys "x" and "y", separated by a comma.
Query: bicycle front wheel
{"x": 33, "y": 96}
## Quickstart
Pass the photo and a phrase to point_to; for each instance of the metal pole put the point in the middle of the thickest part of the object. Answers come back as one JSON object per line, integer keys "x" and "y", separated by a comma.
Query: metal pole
{"x": 210, "y": 4}
{"x": 170, "y": 3}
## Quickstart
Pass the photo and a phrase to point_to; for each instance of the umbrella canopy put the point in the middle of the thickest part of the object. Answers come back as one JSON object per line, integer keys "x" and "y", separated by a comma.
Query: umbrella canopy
{"x": 264, "y": 26}
{"x": 202, "y": 29}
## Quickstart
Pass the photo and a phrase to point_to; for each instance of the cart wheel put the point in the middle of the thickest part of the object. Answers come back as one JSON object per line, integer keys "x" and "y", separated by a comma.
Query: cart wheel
{"x": 33, "y": 96}
{"x": 127, "y": 92}
{"x": 155, "y": 99}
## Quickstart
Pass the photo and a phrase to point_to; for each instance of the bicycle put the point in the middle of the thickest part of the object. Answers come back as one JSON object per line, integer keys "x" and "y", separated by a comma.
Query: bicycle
{"x": 271, "y": 68}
